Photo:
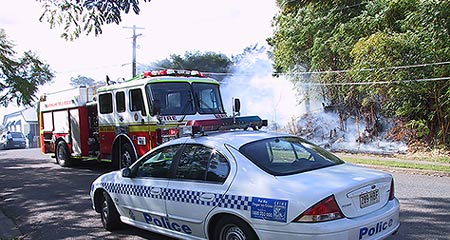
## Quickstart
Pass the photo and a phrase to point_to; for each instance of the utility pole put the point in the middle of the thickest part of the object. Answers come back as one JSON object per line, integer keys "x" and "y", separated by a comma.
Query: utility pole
{"x": 133, "y": 65}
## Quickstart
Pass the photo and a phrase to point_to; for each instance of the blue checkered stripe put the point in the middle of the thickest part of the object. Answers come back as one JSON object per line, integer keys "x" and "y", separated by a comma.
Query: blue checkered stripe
{"x": 178, "y": 195}
{"x": 234, "y": 201}
{"x": 129, "y": 189}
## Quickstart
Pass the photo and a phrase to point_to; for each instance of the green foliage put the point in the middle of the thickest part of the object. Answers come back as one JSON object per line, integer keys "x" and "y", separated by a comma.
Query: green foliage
{"x": 372, "y": 39}
{"x": 420, "y": 126}
{"x": 86, "y": 16}
{"x": 205, "y": 62}
{"x": 20, "y": 78}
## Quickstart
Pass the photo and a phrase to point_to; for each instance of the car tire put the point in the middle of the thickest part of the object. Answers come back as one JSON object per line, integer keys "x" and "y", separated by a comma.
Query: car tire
{"x": 62, "y": 154}
{"x": 127, "y": 156}
{"x": 109, "y": 214}
{"x": 233, "y": 228}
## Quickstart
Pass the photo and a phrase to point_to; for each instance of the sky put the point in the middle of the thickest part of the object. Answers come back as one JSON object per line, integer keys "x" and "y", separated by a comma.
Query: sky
{"x": 169, "y": 27}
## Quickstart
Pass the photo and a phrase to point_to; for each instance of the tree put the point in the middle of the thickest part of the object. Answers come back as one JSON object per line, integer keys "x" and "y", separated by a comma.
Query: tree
{"x": 214, "y": 64}
{"x": 82, "y": 81}
{"x": 371, "y": 41}
{"x": 85, "y": 16}
{"x": 20, "y": 78}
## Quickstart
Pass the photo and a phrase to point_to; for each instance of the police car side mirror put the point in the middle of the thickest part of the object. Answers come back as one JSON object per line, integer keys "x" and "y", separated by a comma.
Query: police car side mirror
{"x": 126, "y": 173}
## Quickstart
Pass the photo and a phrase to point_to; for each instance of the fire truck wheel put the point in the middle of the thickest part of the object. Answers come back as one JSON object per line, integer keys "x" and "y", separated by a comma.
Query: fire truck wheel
{"x": 127, "y": 156}
{"x": 62, "y": 154}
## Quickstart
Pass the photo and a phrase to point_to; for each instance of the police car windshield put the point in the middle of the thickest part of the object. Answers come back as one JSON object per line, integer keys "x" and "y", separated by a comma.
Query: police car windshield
{"x": 180, "y": 98}
{"x": 288, "y": 155}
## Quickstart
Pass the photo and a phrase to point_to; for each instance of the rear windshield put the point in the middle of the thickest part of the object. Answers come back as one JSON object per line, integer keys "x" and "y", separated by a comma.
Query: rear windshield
{"x": 288, "y": 155}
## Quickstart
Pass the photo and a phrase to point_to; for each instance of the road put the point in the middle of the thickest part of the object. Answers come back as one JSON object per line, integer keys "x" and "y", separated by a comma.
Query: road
{"x": 46, "y": 201}
{"x": 49, "y": 202}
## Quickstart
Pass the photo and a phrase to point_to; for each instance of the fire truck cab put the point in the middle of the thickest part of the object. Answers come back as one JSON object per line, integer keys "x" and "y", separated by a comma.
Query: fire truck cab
{"x": 120, "y": 122}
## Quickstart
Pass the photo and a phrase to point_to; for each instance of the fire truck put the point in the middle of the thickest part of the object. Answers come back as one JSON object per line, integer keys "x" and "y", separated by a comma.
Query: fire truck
{"x": 120, "y": 122}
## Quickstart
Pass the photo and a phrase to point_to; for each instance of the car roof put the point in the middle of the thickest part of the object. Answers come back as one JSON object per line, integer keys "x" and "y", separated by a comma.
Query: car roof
{"x": 235, "y": 138}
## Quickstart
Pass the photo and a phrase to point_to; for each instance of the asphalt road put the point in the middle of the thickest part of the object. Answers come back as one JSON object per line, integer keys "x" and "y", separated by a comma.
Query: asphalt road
{"x": 46, "y": 201}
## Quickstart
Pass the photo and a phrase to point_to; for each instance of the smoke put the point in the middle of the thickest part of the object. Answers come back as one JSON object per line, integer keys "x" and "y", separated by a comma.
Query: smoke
{"x": 325, "y": 129}
{"x": 283, "y": 104}
{"x": 260, "y": 93}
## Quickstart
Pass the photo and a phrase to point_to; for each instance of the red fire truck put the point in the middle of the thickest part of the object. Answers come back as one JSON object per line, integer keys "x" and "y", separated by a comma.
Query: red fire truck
{"x": 120, "y": 122}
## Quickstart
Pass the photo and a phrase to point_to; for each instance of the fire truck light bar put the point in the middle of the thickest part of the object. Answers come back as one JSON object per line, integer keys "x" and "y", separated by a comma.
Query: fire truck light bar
{"x": 174, "y": 72}
{"x": 200, "y": 126}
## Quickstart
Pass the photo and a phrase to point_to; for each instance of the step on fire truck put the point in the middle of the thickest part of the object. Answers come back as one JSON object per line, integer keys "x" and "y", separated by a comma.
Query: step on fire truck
{"x": 120, "y": 122}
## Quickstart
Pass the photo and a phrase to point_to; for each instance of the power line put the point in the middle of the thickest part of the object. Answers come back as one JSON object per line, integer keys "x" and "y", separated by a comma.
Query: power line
{"x": 343, "y": 70}
{"x": 368, "y": 69}
{"x": 332, "y": 71}
{"x": 92, "y": 68}
{"x": 378, "y": 82}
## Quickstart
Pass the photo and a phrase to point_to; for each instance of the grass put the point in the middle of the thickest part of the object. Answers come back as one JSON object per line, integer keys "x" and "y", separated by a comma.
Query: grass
{"x": 399, "y": 164}
{"x": 441, "y": 159}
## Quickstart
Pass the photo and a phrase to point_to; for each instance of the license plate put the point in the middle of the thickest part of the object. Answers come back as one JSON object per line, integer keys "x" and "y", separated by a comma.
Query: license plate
{"x": 369, "y": 198}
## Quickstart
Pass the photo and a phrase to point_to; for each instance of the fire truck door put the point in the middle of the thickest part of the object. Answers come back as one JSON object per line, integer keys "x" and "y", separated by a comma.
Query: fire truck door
{"x": 75, "y": 131}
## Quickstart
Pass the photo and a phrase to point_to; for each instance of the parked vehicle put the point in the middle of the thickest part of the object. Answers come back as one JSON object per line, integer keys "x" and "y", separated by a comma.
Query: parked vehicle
{"x": 247, "y": 185}
{"x": 120, "y": 122}
{"x": 11, "y": 140}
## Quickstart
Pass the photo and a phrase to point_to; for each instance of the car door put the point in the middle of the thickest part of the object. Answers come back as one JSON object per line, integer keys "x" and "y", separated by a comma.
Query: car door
{"x": 144, "y": 200}
{"x": 199, "y": 183}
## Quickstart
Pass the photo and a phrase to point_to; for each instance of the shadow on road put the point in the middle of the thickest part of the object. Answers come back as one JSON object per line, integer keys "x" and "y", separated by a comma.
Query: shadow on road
{"x": 424, "y": 218}
{"x": 47, "y": 201}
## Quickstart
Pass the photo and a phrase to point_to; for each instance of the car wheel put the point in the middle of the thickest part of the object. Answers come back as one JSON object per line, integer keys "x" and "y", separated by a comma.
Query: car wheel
{"x": 62, "y": 154}
{"x": 109, "y": 214}
{"x": 127, "y": 156}
{"x": 233, "y": 228}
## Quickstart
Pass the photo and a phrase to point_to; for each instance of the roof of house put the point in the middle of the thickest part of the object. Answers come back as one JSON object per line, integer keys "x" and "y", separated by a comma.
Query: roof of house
{"x": 29, "y": 115}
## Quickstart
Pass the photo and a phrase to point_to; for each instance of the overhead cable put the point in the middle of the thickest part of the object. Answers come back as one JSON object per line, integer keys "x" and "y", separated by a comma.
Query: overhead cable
{"x": 368, "y": 69}
{"x": 378, "y": 82}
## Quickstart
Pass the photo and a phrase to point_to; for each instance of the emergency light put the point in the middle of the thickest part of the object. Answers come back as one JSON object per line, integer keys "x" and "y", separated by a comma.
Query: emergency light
{"x": 174, "y": 72}
{"x": 166, "y": 134}
{"x": 193, "y": 127}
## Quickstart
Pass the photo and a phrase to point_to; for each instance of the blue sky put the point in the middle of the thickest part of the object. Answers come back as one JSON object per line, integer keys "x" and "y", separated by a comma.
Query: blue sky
{"x": 170, "y": 26}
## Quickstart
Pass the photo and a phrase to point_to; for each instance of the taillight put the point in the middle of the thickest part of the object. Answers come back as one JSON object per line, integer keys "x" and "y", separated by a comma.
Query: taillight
{"x": 325, "y": 210}
{"x": 392, "y": 191}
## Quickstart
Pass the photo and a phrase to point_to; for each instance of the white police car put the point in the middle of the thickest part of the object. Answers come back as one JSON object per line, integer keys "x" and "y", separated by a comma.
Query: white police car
{"x": 247, "y": 185}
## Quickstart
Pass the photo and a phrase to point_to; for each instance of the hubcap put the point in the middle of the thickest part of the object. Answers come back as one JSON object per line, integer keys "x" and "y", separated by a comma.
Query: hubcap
{"x": 232, "y": 232}
{"x": 126, "y": 159}
{"x": 105, "y": 210}
{"x": 61, "y": 154}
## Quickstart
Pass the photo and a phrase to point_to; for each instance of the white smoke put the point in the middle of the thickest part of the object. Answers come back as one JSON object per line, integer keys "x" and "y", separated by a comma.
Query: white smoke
{"x": 325, "y": 129}
{"x": 260, "y": 93}
{"x": 279, "y": 101}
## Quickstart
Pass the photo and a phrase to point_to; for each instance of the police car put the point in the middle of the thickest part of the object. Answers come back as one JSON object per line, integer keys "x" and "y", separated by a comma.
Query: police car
{"x": 247, "y": 184}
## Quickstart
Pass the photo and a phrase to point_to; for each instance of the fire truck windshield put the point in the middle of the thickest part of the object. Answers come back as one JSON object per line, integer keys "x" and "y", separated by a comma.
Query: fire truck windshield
{"x": 182, "y": 98}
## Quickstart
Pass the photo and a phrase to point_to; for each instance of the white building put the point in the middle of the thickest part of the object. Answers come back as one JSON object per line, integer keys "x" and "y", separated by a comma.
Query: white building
{"x": 24, "y": 121}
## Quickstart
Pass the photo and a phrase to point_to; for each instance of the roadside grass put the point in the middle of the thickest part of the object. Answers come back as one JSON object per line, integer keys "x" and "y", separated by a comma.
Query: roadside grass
{"x": 398, "y": 164}
{"x": 440, "y": 159}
